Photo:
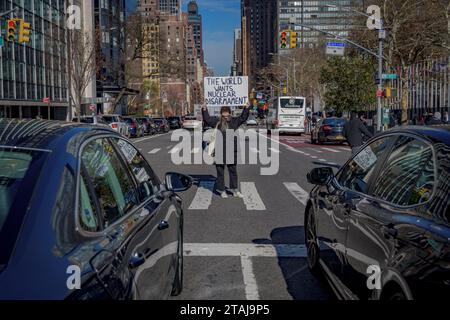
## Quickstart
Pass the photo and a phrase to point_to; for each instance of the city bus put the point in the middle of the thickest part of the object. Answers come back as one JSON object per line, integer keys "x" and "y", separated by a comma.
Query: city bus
{"x": 288, "y": 115}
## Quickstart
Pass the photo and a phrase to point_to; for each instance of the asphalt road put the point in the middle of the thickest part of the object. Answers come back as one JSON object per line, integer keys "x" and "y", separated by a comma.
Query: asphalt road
{"x": 251, "y": 248}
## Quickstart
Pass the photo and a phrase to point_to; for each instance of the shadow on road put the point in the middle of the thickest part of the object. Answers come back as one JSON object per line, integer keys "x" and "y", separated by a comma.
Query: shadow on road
{"x": 301, "y": 284}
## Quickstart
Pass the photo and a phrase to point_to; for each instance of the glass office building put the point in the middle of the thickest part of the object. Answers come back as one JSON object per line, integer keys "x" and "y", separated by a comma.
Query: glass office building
{"x": 293, "y": 14}
{"x": 37, "y": 70}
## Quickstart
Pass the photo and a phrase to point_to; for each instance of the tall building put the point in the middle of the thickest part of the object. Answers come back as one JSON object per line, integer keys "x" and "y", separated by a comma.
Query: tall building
{"x": 317, "y": 14}
{"x": 109, "y": 18}
{"x": 259, "y": 33}
{"x": 36, "y": 70}
{"x": 236, "y": 68}
{"x": 172, "y": 7}
{"x": 195, "y": 20}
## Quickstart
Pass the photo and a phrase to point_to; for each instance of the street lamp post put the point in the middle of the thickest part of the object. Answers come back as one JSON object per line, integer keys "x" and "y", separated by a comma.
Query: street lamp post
{"x": 381, "y": 37}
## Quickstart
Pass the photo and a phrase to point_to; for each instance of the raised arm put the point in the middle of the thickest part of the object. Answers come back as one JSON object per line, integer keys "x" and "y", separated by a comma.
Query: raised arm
{"x": 244, "y": 116}
{"x": 210, "y": 121}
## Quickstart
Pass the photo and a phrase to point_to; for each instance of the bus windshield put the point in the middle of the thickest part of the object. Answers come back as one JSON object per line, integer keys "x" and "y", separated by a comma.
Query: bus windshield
{"x": 293, "y": 103}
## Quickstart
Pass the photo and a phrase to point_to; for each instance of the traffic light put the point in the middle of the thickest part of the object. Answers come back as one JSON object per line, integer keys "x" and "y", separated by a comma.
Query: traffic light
{"x": 283, "y": 40}
{"x": 293, "y": 40}
{"x": 24, "y": 31}
{"x": 11, "y": 32}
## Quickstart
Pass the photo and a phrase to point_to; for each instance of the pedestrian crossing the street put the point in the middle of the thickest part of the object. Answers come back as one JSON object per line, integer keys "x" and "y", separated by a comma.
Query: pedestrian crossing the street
{"x": 204, "y": 196}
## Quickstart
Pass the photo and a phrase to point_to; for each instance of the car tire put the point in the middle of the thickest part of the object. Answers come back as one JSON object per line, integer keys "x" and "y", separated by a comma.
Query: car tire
{"x": 177, "y": 287}
{"x": 311, "y": 242}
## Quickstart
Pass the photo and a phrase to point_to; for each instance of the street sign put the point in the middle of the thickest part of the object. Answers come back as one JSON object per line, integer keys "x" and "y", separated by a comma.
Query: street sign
{"x": 335, "y": 48}
{"x": 390, "y": 76}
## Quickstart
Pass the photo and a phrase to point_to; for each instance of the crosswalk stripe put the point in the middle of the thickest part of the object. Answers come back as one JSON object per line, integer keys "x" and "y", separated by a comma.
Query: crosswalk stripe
{"x": 316, "y": 150}
{"x": 174, "y": 150}
{"x": 154, "y": 151}
{"x": 274, "y": 150}
{"x": 343, "y": 149}
{"x": 300, "y": 194}
{"x": 314, "y": 157}
{"x": 331, "y": 150}
{"x": 203, "y": 196}
{"x": 323, "y": 160}
{"x": 252, "y": 200}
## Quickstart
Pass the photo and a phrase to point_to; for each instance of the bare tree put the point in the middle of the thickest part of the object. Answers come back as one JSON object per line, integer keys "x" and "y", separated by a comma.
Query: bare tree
{"x": 417, "y": 30}
{"x": 82, "y": 65}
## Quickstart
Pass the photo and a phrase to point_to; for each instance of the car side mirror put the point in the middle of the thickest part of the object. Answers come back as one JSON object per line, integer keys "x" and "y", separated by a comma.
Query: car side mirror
{"x": 178, "y": 182}
{"x": 320, "y": 176}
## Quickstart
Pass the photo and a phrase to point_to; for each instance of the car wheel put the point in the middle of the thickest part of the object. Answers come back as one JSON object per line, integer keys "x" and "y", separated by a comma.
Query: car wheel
{"x": 178, "y": 282}
{"x": 311, "y": 242}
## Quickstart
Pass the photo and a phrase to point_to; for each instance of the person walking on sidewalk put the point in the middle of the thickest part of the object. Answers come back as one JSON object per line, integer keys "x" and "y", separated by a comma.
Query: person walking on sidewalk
{"x": 222, "y": 124}
{"x": 354, "y": 131}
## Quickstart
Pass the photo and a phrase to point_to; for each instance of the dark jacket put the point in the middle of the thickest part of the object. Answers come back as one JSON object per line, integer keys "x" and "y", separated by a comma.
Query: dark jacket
{"x": 354, "y": 131}
{"x": 234, "y": 124}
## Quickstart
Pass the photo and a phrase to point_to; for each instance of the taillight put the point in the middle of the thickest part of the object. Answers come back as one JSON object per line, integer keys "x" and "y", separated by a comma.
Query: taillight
{"x": 327, "y": 128}
{"x": 114, "y": 126}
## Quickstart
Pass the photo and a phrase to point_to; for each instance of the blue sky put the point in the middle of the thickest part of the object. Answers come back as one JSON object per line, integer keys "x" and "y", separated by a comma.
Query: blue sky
{"x": 220, "y": 18}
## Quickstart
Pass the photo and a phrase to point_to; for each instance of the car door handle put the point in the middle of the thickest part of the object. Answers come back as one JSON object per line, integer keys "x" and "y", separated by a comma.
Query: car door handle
{"x": 163, "y": 225}
{"x": 136, "y": 260}
{"x": 389, "y": 231}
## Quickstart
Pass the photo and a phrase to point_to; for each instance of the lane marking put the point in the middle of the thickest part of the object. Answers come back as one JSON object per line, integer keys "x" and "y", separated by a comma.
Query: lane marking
{"x": 154, "y": 151}
{"x": 203, "y": 196}
{"x": 331, "y": 150}
{"x": 252, "y": 200}
{"x": 300, "y": 194}
{"x": 174, "y": 150}
{"x": 314, "y": 157}
{"x": 316, "y": 150}
{"x": 344, "y": 149}
{"x": 251, "y": 287}
{"x": 244, "y": 249}
{"x": 149, "y": 138}
{"x": 323, "y": 160}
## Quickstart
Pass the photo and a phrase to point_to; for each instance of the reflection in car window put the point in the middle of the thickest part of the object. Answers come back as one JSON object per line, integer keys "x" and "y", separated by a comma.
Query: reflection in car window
{"x": 113, "y": 187}
{"x": 88, "y": 215}
{"x": 408, "y": 176}
{"x": 357, "y": 173}
{"x": 139, "y": 167}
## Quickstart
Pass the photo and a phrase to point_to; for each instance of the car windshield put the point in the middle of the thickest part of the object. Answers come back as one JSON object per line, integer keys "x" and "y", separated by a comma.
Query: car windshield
{"x": 18, "y": 174}
{"x": 292, "y": 103}
{"x": 334, "y": 122}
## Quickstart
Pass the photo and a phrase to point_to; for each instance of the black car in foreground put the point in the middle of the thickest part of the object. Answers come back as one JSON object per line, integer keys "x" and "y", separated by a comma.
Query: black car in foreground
{"x": 83, "y": 216}
{"x": 380, "y": 227}
{"x": 328, "y": 130}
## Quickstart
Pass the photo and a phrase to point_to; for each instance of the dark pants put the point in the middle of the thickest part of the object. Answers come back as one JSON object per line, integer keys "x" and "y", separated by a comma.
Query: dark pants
{"x": 232, "y": 170}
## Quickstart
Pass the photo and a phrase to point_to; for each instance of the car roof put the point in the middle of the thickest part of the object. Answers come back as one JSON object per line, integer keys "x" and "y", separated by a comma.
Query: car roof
{"x": 39, "y": 134}
{"x": 437, "y": 133}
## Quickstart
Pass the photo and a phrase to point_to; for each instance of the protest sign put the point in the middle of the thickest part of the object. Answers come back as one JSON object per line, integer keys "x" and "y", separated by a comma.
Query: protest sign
{"x": 226, "y": 91}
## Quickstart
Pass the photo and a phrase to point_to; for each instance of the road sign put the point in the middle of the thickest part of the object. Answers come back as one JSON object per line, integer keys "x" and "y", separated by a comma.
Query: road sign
{"x": 335, "y": 48}
{"x": 390, "y": 76}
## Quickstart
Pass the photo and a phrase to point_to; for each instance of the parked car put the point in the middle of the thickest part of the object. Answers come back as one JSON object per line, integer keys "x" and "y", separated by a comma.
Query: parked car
{"x": 117, "y": 124}
{"x": 149, "y": 126}
{"x": 96, "y": 120}
{"x": 385, "y": 214}
{"x": 80, "y": 199}
{"x": 328, "y": 130}
{"x": 135, "y": 129}
{"x": 192, "y": 123}
{"x": 175, "y": 122}
{"x": 162, "y": 126}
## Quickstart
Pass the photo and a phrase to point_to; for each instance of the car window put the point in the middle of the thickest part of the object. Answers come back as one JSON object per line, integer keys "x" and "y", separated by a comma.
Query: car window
{"x": 113, "y": 186}
{"x": 407, "y": 178}
{"x": 139, "y": 167}
{"x": 356, "y": 175}
{"x": 87, "y": 212}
